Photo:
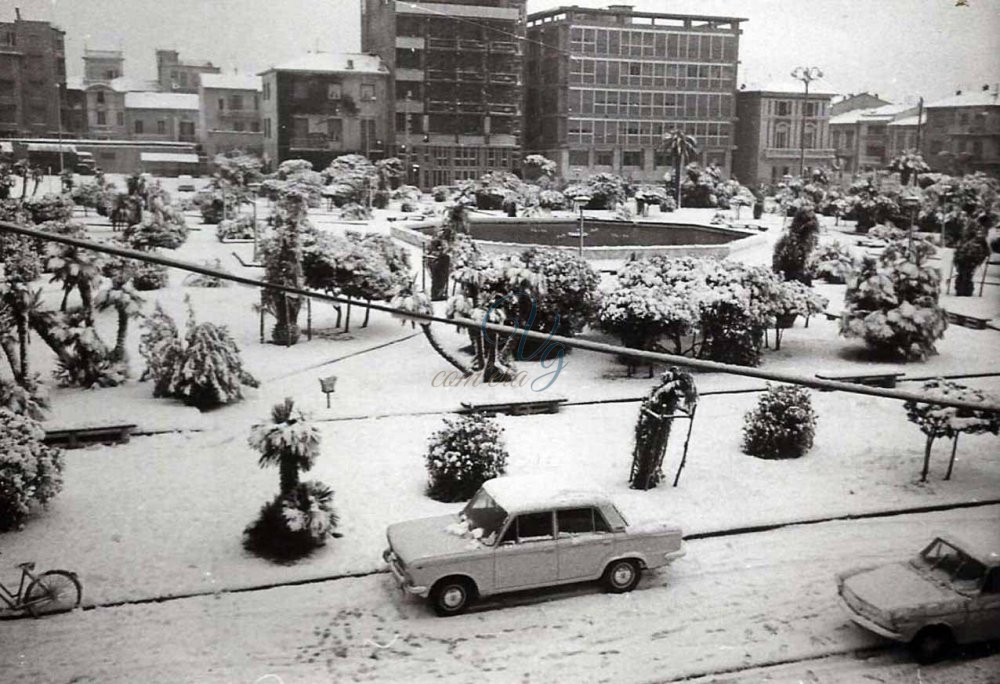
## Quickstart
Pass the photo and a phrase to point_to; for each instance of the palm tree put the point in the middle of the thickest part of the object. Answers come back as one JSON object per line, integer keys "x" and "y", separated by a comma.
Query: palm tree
{"x": 681, "y": 147}
{"x": 78, "y": 269}
{"x": 123, "y": 298}
{"x": 289, "y": 441}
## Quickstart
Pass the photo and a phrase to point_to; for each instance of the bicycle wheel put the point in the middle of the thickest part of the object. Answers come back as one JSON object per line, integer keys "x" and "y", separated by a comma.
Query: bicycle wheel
{"x": 54, "y": 591}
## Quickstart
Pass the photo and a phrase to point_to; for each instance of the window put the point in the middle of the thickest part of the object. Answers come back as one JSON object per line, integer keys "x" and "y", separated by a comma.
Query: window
{"x": 237, "y": 125}
{"x": 267, "y": 91}
{"x": 632, "y": 157}
{"x": 137, "y": 126}
{"x": 222, "y": 104}
{"x": 334, "y": 129}
{"x": 161, "y": 127}
{"x": 100, "y": 97}
{"x": 255, "y": 126}
{"x": 186, "y": 130}
{"x": 604, "y": 158}
{"x": 120, "y": 118}
{"x": 534, "y": 526}
{"x": 812, "y": 109}
{"x": 809, "y": 142}
{"x": 781, "y": 137}
{"x": 102, "y": 118}
{"x": 576, "y": 521}
{"x": 333, "y": 91}
{"x": 236, "y": 102}
{"x": 579, "y": 157}
{"x": 367, "y": 92}
{"x": 783, "y": 108}
{"x": 977, "y": 148}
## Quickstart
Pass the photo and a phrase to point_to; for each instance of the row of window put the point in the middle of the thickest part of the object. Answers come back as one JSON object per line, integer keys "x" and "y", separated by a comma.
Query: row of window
{"x": 102, "y": 118}
{"x": 235, "y": 102}
{"x": 664, "y": 44}
{"x": 302, "y": 90}
{"x": 636, "y": 158}
{"x": 652, "y": 74}
{"x": 184, "y": 128}
{"x": 466, "y": 157}
{"x": 781, "y": 137}
{"x": 650, "y": 133}
{"x": 649, "y": 105}
{"x": 786, "y": 107}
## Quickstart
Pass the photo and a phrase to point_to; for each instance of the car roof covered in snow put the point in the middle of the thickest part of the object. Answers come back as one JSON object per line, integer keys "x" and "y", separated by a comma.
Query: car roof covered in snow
{"x": 984, "y": 547}
{"x": 526, "y": 493}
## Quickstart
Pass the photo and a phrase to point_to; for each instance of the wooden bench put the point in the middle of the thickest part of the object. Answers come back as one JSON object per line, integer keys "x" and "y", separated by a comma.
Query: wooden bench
{"x": 73, "y": 438}
{"x": 875, "y": 378}
{"x": 968, "y": 320}
{"x": 515, "y": 408}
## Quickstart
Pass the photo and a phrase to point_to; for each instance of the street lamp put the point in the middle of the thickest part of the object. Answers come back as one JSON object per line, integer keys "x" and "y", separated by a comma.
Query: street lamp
{"x": 581, "y": 201}
{"x": 807, "y": 75}
{"x": 911, "y": 202}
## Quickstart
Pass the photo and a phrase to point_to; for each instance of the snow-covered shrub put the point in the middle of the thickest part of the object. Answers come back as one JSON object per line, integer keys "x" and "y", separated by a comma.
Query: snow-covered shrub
{"x": 49, "y": 207}
{"x": 380, "y": 199}
{"x": 936, "y": 420}
{"x": 793, "y": 248}
{"x": 537, "y": 166}
{"x": 150, "y": 276}
{"x": 239, "y": 228}
{"x": 440, "y": 193}
{"x": 211, "y": 204}
{"x": 88, "y": 195}
{"x": 355, "y": 212}
{"x": 30, "y": 471}
{"x": 202, "y": 280}
{"x": 729, "y": 334}
{"x": 158, "y": 229}
{"x": 464, "y": 454}
{"x": 668, "y": 204}
{"x": 551, "y": 199}
{"x": 605, "y": 190}
{"x": 29, "y": 400}
{"x": 832, "y": 262}
{"x": 160, "y": 345}
{"x": 782, "y": 424}
{"x": 294, "y": 524}
{"x": 892, "y": 303}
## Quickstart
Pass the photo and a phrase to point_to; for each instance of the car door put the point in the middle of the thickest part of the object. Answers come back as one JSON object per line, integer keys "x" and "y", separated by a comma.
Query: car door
{"x": 984, "y": 610}
{"x": 584, "y": 543}
{"x": 526, "y": 553}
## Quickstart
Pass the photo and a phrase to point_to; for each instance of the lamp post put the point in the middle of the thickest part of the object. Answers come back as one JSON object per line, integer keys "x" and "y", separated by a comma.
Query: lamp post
{"x": 911, "y": 202}
{"x": 807, "y": 75}
{"x": 581, "y": 201}
{"x": 59, "y": 100}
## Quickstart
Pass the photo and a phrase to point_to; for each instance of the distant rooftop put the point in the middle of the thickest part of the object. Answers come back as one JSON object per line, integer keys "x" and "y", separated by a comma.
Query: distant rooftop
{"x": 885, "y": 113}
{"x": 789, "y": 87}
{"x": 972, "y": 98}
{"x": 909, "y": 120}
{"x": 148, "y": 100}
{"x": 332, "y": 62}
{"x": 102, "y": 54}
{"x": 618, "y": 10}
{"x": 231, "y": 81}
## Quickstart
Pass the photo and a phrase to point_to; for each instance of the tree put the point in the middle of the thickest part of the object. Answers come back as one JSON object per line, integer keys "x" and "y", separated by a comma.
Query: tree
{"x": 676, "y": 392}
{"x": 908, "y": 165}
{"x": 289, "y": 442}
{"x": 121, "y": 296}
{"x": 282, "y": 256}
{"x": 936, "y": 420}
{"x": 679, "y": 146}
{"x": 30, "y": 471}
{"x": 442, "y": 245}
{"x": 795, "y": 246}
{"x": 76, "y": 268}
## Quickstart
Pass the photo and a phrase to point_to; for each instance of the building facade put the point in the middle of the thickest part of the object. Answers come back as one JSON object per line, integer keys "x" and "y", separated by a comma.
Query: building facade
{"x": 175, "y": 76}
{"x": 963, "y": 133}
{"x": 852, "y": 101}
{"x": 769, "y": 132}
{"x": 32, "y": 78}
{"x": 230, "y": 114}
{"x": 102, "y": 66}
{"x": 904, "y": 134}
{"x": 106, "y": 109}
{"x": 324, "y": 105}
{"x": 861, "y": 137}
{"x": 604, "y": 85}
{"x": 456, "y": 92}
{"x": 161, "y": 116}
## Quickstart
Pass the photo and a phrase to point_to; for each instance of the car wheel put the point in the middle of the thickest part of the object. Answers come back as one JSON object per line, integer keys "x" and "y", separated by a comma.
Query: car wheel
{"x": 451, "y": 596}
{"x": 621, "y": 576}
{"x": 932, "y": 644}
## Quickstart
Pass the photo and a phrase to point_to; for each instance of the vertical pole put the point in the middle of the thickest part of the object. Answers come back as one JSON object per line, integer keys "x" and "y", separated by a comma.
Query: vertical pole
{"x": 62, "y": 162}
{"x": 687, "y": 440}
{"x": 920, "y": 129}
{"x": 581, "y": 230}
{"x": 802, "y": 132}
{"x": 406, "y": 140}
{"x": 309, "y": 321}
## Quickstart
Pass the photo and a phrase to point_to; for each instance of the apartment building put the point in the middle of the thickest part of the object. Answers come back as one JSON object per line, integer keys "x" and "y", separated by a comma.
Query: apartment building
{"x": 161, "y": 116}
{"x": 963, "y": 132}
{"x": 775, "y": 122}
{"x": 32, "y": 78}
{"x": 861, "y": 137}
{"x": 323, "y": 105}
{"x": 230, "y": 113}
{"x": 904, "y": 134}
{"x": 852, "y": 101}
{"x": 456, "y": 91}
{"x": 604, "y": 85}
{"x": 175, "y": 76}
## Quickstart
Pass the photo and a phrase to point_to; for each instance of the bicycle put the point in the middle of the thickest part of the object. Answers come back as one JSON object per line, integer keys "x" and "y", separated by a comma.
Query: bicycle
{"x": 53, "y": 591}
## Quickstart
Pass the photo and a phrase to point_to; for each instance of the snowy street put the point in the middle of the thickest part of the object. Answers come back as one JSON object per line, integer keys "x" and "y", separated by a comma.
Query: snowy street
{"x": 754, "y": 607}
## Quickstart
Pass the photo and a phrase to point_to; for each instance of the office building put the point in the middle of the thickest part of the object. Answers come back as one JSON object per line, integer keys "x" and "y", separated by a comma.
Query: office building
{"x": 962, "y": 134}
{"x": 32, "y": 78}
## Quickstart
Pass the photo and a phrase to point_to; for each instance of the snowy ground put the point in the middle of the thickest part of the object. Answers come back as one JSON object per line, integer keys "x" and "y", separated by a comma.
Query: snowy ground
{"x": 728, "y": 611}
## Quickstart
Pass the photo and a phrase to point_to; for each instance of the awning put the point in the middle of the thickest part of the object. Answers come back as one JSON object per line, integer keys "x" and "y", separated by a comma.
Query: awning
{"x": 170, "y": 157}
{"x": 51, "y": 147}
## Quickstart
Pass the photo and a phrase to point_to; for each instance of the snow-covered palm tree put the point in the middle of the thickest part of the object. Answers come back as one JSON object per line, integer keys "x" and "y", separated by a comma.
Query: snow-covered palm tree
{"x": 680, "y": 146}
{"x": 289, "y": 441}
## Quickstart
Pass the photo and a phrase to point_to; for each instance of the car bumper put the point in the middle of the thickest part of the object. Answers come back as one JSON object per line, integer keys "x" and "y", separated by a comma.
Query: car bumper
{"x": 870, "y": 624}
{"x": 671, "y": 556}
{"x": 401, "y": 579}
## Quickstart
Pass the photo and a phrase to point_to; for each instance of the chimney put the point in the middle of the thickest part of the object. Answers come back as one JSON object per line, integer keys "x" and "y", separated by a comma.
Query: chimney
{"x": 986, "y": 87}
{"x": 17, "y": 14}
{"x": 350, "y": 64}
{"x": 958, "y": 92}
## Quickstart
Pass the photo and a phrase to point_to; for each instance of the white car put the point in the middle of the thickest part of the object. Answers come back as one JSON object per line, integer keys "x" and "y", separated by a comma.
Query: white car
{"x": 521, "y": 533}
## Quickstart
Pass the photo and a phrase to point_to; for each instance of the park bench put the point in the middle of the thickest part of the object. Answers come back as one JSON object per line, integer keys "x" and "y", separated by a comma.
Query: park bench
{"x": 968, "y": 320}
{"x": 515, "y": 408}
{"x": 72, "y": 438}
{"x": 875, "y": 378}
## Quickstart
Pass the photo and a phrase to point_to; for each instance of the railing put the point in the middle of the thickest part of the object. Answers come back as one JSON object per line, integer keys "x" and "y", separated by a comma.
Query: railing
{"x": 472, "y": 76}
{"x": 473, "y": 45}
{"x": 505, "y": 109}
{"x": 441, "y": 106}
{"x": 510, "y": 79}
{"x": 504, "y": 47}
{"x": 471, "y": 107}
{"x": 440, "y": 75}
{"x": 312, "y": 142}
{"x": 441, "y": 44}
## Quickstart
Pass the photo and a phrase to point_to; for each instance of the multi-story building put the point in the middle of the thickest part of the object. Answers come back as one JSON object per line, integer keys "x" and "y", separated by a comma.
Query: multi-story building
{"x": 846, "y": 103}
{"x": 175, "y": 76}
{"x": 161, "y": 116}
{"x": 32, "y": 77}
{"x": 963, "y": 132}
{"x": 102, "y": 66}
{"x": 230, "y": 113}
{"x": 904, "y": 134}
{"x": 323, "y": 105}
{"x": 604, "y": 85}
{"x": 769, "y": 132}
{"x": 73, "y": 118}
{"x": 457, "y": 94}
{"x": 861, "y": 137}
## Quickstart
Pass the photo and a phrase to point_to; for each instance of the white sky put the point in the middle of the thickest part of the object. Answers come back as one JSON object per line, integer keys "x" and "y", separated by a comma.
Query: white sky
{"x": 897, "y": 48}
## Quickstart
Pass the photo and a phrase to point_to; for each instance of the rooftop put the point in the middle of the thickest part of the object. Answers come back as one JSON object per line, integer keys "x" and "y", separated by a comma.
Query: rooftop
{"x": 973, "y": 98}
{"x": 148, "y": 100}
{"x": 885, "y": 113}
{"x": 525, "y": 493}
{"x": 102, "y": 54}
{"x": 615, "y": 10}
{"x": 909, "y": 120}
{"x": 332, "y": 62}
{"x": 231, "y": 81}
{"x": 787, "y": 87}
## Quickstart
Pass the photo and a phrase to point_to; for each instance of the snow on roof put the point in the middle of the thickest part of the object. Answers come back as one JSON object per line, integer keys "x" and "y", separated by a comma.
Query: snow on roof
{"x": 332, "y": 62}
{"x": 789, "y": 87}
{"x": 984, "y": 547}
{"x": 149, "y": 100}
{"x": 909, "y": 120}
{"x": 231, "y": 81}
{"x": 974, "y": 98}
{"x": 523, "y": 493}
{"x": 876, "y": 114}
{"x": 74, "y": 83}
{"x": 50, "y": 147}
{"x": 123, "y": 84}
{"x": 171, "y": 157}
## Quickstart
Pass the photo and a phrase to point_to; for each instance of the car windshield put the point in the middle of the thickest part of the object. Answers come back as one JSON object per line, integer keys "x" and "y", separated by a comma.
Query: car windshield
{"x": 483, "y": 512}
{"x": 950, "y": 564}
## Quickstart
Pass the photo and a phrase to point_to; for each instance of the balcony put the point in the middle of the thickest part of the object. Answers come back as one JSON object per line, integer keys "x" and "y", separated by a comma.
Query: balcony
{"x": 441, "y": 107}
{"x": 503, "y": 78}
{"x": 442, "y": 44}
{"x": 472, "y": 45}
{"x": 471, "y": 76}
{"x": 503, "y": 47}
{"x": 794, "y": 152}
{"x": 313, "y": 141}
{"x": 502, "y": 109}
{"x": 440, "y": 75}
{"x": 471, "y": 108}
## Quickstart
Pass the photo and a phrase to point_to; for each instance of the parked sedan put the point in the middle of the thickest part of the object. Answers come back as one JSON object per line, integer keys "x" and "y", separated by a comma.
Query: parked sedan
{"x": 521, "y": 533}
{"x": 949, "y": 594}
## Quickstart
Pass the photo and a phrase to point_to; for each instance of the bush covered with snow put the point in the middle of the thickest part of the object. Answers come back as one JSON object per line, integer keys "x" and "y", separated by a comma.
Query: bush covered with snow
{"x": 832, "y": 262}
{"x": 465, "y": 453}
{"x": 150, "y": 276}
{"x": 293, "y": 524}
{"x": 30, "y": 471}
{"x": 782, "y": 424}
{"x": 239, "y": 228}
{"x": 49, "y": 207}
{"x": 793, "y": 248}
{"x": 605, "y": 190}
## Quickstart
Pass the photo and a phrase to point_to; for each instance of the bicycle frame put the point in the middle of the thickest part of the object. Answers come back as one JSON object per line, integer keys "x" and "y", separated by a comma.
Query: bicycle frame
{"x": 13, "y": 600}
